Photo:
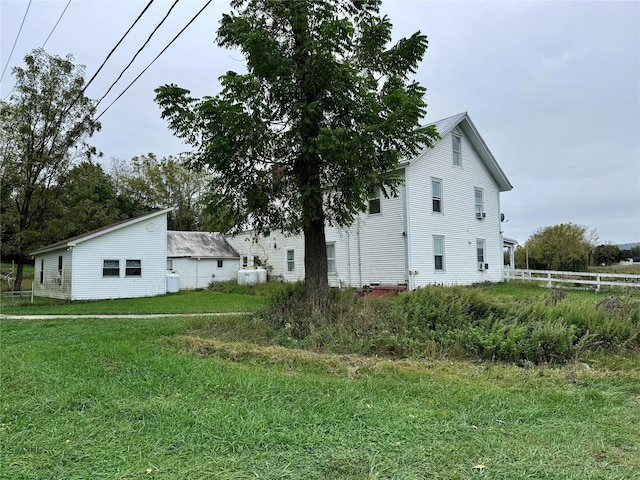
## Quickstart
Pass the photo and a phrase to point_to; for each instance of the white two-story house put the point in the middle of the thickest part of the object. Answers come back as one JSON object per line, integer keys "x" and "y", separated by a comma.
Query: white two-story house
{"x": 442, "y": 228}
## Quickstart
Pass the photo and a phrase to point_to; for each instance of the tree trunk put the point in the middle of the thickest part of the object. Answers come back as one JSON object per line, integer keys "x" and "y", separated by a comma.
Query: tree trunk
{"x": 17, "y": 284}
{"x": 315, "y": 264}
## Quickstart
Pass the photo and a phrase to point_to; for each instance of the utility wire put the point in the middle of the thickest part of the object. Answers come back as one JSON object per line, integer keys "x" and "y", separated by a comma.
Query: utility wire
{"x": 15, "y": 42}
{"x": 139, "y": 50}
{"x": 56, "y": 25}
{"x": 117, "y": 45}
{"x": 152, "y": 61}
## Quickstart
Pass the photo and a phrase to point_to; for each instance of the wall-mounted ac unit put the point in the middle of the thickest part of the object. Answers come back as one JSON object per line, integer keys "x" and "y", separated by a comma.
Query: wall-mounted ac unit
{"x": 481, "y": 215}
{"x": 480, "y": 266}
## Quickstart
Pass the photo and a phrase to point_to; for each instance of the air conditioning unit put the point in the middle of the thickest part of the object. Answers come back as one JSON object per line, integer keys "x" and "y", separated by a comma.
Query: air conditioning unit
{"x": 480, "y": 266}
{"x": 481, "y": 215}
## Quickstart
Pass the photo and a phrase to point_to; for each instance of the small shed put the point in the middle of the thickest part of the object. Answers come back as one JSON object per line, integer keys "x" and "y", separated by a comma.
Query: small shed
{"x": 201, "y": 258}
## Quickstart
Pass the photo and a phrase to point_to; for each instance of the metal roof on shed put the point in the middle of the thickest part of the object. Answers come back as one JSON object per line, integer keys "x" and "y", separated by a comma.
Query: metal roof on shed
{"x": 199, "y": 245}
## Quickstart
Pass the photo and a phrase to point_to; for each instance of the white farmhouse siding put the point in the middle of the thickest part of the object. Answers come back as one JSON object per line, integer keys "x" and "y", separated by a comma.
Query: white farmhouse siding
{"x": 200, "y": 258}
{"x": 282, "y": 255}
{"x": 123, "y": 260}
{"x": 396, "y": 245}
{"x": 456, "y": 223}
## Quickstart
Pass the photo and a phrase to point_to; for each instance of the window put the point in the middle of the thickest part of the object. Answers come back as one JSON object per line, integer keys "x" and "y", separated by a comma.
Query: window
{"x": 480, "y": 243}
{"x": 60, "y": 264}
{"x": 134, "y": 268}
{"x": 220, "y": 263}
{"x": 374, "y": 203}
{"x": 291, "y": 264}
{"x": 438, "y": 252}
{"x": 457, "y": 150}
{"x": 331, "y": 258}
{"x": 41, "y": 271}
{"x": 111, "y": 268}
{"x": 245, "y": 261}
{"x": 479, "y": 196}
{"x": 169, "y": 264}
{"x": 436, "y": 194}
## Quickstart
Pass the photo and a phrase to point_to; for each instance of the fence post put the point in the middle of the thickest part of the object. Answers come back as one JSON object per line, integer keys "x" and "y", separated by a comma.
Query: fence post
{"x": 598, "y": 283}
{"x": 548, "y": 279}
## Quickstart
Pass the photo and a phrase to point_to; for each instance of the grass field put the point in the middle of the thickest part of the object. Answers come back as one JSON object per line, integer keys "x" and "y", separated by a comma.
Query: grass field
{"x": 130, "y": 399}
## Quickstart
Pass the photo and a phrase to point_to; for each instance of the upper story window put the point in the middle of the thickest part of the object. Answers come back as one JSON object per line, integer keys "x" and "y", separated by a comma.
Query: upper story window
{"x": 291, "y": 262}
{"x": 457, "y": 150}
{"x": 374, "y": 203}
{"x": 436, "y": 195}
{"x": 479, "y": 201}
{"x": 331, "y": 258}
{"x": 133, "y": 268}
{"x": 438, "y": 252}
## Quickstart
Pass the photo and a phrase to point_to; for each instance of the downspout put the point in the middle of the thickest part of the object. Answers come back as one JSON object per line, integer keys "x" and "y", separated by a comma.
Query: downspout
{"x": 349, "y": 257}
{"x": 197, "y": 271}
{"x": 407, "y": 234}
{"x": 359, "y": 254}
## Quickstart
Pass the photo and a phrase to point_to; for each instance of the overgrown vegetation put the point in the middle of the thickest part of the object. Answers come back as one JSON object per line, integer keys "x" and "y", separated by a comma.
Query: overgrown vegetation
{"x": 139, "y": 398}
{"x": 546, "y": 326}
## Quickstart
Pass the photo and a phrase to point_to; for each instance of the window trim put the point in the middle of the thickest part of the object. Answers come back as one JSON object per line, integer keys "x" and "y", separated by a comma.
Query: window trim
{"x": 220, "y": 263}
{"x": 479, "y": 207}
{"x": 375, "y": 199}
{"x": 133, "y": 270}
{"x": 439, "y": 238}
{"x": 291, "y": 262}
{"x": 457, "y": 155}
{"x": 331, "y": 259}
{"x": 114, "y": 269}
{"x": 434, "y": 198}
{"x": 481, "y": 244}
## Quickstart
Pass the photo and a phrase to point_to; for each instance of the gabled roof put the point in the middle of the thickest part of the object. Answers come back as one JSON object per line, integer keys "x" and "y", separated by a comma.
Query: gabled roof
{"x": 464, "y": 123}
{"x": 73, "y": 241}
{"x": 199, "y": 245}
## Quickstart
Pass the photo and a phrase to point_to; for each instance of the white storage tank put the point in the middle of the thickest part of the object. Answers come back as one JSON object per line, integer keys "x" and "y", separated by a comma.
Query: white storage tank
{"x": 251, "y": 276}
{"x": 173, "y": 282}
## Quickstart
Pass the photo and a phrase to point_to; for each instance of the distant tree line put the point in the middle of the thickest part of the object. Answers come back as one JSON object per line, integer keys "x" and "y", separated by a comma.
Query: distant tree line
{"x": 568, "y": 247}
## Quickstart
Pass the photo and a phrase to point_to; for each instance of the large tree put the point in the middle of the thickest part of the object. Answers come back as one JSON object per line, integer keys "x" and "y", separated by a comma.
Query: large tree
{"x": 44, "y": 127}
{"x": 150, "y": 183}
{"x": 564, "y": 247}
{"x": 319, "y": 121}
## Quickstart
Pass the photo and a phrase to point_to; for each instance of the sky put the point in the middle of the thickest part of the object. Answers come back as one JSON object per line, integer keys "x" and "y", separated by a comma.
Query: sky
{"x": 553, "y": 88}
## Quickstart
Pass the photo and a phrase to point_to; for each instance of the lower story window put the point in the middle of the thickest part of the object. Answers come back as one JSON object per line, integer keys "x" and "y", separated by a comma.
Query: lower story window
{"x": 220, "y": 263}
{"x": 111, "y": 268}
{"x": 438, "y": 253}
{"x": 134, "y": 268}
{"x": 331, "y": 257}
{"x": 291, "y": 263}
{"x": 480, "y": 250}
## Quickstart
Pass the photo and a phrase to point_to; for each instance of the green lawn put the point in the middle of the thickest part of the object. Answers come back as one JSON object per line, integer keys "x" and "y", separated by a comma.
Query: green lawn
{"x": 129, "y": 399}
{"x": 187, "y": 301}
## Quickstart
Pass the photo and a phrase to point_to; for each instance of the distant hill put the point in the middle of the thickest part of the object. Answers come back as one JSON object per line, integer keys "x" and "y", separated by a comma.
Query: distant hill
{"x": 627, "y": 246}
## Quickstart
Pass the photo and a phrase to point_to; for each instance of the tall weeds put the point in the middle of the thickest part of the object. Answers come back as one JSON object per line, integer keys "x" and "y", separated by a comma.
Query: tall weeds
{"x": 459, "y": 321}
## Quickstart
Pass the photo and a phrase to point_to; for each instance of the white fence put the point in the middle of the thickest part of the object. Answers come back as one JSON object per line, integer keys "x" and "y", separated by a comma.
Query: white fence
{"x": 573, "y": 279}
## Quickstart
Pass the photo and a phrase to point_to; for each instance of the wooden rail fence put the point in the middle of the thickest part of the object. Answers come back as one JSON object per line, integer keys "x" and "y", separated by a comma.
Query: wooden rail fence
{"x": 573, "y": 279}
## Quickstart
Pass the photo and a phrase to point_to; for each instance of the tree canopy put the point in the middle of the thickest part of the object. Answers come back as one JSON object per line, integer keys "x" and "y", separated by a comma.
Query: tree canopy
{"x": 563, "y": 247}
{"x": 44, "y": 128}
{"x": 318, "y": 123}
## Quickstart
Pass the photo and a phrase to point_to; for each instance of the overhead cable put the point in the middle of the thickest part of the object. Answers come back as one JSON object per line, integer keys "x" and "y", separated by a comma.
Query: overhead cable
{"x": 139, "y": 50}
{"x": 56, "y": 25}
{"x": 16, "y": 41}
{"x": 152, "y": 62}
{"x": 117, "y": 45}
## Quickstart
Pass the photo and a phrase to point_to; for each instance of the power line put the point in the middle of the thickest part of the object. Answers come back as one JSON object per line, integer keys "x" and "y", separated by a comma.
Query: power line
{"x": 56, "y": 25}
{"x": 139, "y": 50}
{"x": 16, "y": 41}
{"x": 117, "y": 45}
{"x": 152, "y": 61}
